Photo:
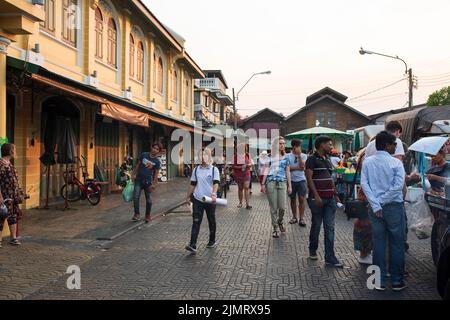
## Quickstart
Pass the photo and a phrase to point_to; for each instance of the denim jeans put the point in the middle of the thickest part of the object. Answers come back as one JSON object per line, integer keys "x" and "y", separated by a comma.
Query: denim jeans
{"x": 137, "y": 196}
{"x": 198, "y": 208}
{"x": 327, "y": 215}
{"x": 392, "y": 226}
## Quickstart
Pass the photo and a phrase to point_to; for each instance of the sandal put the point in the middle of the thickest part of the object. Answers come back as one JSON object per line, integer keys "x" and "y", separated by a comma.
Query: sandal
{"x": 293, "y": 220}
{"x": 239, "y": 205}
{"x": 15, "y": 242}
{"x": 248, "y": 207}
{"x": 275, "y": 234}
{"x": 302, "y": 223}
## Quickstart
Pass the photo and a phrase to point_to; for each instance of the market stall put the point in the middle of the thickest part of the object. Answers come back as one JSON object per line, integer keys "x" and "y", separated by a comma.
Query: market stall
{"x": 308, "y": 136}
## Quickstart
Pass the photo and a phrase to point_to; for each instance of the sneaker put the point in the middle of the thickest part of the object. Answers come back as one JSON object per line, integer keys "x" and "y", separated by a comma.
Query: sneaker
{"x": 211, "y": 244}
{"x": 335, "y": 263}
{"x": 381, "y": 288}
{"x": 313, "y": 256}
{"x": 366, "y": 260}
{"x": 399, "y": 286}
{"x": 191, "y": 248}
{"x": 15, "y": 242}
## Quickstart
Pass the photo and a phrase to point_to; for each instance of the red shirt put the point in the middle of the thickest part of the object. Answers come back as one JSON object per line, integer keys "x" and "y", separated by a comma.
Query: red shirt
{"x": 238, "y": 166}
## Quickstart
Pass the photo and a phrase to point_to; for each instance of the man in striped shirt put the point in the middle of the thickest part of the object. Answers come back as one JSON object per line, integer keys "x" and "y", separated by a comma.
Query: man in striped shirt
{"x": 321, "y": 200}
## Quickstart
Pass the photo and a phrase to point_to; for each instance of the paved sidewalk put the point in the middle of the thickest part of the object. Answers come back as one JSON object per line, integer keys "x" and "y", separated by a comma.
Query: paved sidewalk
{"x": 151, "y": 263}
{"x": 53, "y": 239}
{"x": 84, "y": 223}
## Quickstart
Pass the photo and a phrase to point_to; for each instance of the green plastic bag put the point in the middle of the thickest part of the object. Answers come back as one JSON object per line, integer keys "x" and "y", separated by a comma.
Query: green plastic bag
{"x": 118, "y": 177}
{"x": 127, "y": 193}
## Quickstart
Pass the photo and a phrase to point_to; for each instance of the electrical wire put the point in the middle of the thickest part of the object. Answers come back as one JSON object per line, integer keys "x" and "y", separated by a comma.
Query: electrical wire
{"x": 376, "y": 90}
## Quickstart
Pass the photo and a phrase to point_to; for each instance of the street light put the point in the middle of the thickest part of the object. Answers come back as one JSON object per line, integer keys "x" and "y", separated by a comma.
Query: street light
{"x": 237, "y": 96}
{"x": 408, "y": 71}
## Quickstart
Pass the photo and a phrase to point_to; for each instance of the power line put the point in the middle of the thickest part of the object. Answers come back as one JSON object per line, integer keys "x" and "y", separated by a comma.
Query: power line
{"x": 435, "y": 85}
{"x": 437, "y": 76}
{"x": 376, "y": 90}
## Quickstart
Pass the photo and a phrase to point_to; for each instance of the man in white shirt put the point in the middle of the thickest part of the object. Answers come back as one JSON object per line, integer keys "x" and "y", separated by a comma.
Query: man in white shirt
{"x": 395, "y": 128}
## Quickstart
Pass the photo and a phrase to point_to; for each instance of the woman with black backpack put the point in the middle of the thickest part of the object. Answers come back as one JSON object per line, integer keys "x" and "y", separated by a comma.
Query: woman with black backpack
{"x": 204, "y": 183}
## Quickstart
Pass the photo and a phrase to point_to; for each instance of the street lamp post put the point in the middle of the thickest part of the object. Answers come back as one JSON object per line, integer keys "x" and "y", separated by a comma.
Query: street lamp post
{"x": 236, "y": 97}
{"x": 408, "y": 71}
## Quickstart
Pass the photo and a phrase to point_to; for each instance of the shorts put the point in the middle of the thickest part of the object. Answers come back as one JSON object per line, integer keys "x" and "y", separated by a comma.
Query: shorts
{"x": 298, "y": 189}
{"x": 12, "y": 220}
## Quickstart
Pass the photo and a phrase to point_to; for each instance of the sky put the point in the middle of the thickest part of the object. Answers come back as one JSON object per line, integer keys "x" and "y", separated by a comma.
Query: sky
{"x": 308, "y": 45}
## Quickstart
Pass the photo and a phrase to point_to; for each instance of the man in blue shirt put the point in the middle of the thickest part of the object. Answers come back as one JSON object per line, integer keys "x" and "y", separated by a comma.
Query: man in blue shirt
{"x": 297, "y": 161}
{"x": 382, "y": 180}
{"x": 145, "y": 176}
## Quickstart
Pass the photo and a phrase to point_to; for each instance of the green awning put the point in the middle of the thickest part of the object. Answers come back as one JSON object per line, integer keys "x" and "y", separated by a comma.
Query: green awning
{"x": 22, "y": 65}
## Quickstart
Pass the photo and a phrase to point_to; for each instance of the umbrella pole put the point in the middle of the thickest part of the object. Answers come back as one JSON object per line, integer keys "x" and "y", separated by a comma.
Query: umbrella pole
{"x": 48, "y": 187}
{"x": 66, "y": 203}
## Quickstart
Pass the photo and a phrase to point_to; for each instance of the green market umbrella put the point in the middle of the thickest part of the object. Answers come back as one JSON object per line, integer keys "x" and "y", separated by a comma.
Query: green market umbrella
{"x": 319, "y": 131}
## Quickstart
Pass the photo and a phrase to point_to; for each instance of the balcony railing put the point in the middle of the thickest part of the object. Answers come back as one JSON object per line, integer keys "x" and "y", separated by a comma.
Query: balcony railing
{"x": 211, "y": 83}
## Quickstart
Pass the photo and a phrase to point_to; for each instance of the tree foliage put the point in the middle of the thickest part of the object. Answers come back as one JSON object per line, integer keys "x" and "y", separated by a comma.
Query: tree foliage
{"x": 440, "y": 97}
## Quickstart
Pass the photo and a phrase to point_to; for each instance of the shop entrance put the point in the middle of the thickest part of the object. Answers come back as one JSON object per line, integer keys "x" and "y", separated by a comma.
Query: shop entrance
{"x": 10, "y": 116}
{"x": 55, "y": 113}
{"x": 107, "y": 149}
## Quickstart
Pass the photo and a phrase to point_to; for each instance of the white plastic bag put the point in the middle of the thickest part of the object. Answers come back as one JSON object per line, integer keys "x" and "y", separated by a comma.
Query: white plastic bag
{"x": 420, "y": 219}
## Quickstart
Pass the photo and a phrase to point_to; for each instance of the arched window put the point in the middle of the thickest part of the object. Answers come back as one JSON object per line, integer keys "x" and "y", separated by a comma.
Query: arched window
{"x": 131, "y": 55}
{"x": 98, "y": 34}
{"x": 187, "y": 93}
{"x": 154, "y": 71}
{"x": 174, "y": 85}
{"x": 69, "y": 21}
{"x": 140, "y": 61}
{"x": 49, "y": 23}
{"x": 112, "y": 43}
{"x": 159, "y": 76}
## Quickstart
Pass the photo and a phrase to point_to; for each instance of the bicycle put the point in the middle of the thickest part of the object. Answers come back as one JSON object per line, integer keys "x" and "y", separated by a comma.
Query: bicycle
{"x": 76, "y": 190}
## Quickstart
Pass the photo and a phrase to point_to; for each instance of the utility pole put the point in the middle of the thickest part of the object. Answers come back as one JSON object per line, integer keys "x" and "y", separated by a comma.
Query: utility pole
{"x": 410, "y": 87}
{"x": 234, "y": 111}
{"x": 407, "y": 71}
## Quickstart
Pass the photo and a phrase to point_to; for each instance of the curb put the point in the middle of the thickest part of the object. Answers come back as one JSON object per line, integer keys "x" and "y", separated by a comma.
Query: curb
{"x": 139, "y": 224}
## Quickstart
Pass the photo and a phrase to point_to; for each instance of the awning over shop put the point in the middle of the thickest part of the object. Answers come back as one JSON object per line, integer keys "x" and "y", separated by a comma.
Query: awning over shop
{"x": 68, "y": 88}
{"x": 124, "y": 114}
{"x": 112, "y": 109}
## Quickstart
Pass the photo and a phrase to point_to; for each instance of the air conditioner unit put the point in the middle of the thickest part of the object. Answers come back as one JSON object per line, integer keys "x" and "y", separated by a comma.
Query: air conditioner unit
{"x": 127, "y": 94}
{"x": 151, "y": 104}
{"x": 91, "y": 81}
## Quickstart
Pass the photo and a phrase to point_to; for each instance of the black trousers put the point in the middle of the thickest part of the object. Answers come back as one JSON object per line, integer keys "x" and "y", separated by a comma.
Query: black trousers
{"x": 198, "y": 208}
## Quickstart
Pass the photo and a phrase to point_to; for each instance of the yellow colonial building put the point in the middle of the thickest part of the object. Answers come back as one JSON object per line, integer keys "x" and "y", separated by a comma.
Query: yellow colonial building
{"x": 108, "y": 69}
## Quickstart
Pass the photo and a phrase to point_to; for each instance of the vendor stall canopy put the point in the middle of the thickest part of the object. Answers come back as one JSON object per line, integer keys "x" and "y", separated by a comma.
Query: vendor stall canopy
{"x": 423, "y": 121}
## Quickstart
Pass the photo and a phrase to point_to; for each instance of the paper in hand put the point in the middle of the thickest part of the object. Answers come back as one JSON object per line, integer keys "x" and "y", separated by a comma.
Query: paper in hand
{"x": 219, "y": 201}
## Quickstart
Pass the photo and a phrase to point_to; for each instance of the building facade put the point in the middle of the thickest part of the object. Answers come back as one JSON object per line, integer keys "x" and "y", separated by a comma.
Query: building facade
{"x": 211, "y": 102}
{"x": 325, "y": 108}
{"x": 109, "y": 69}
